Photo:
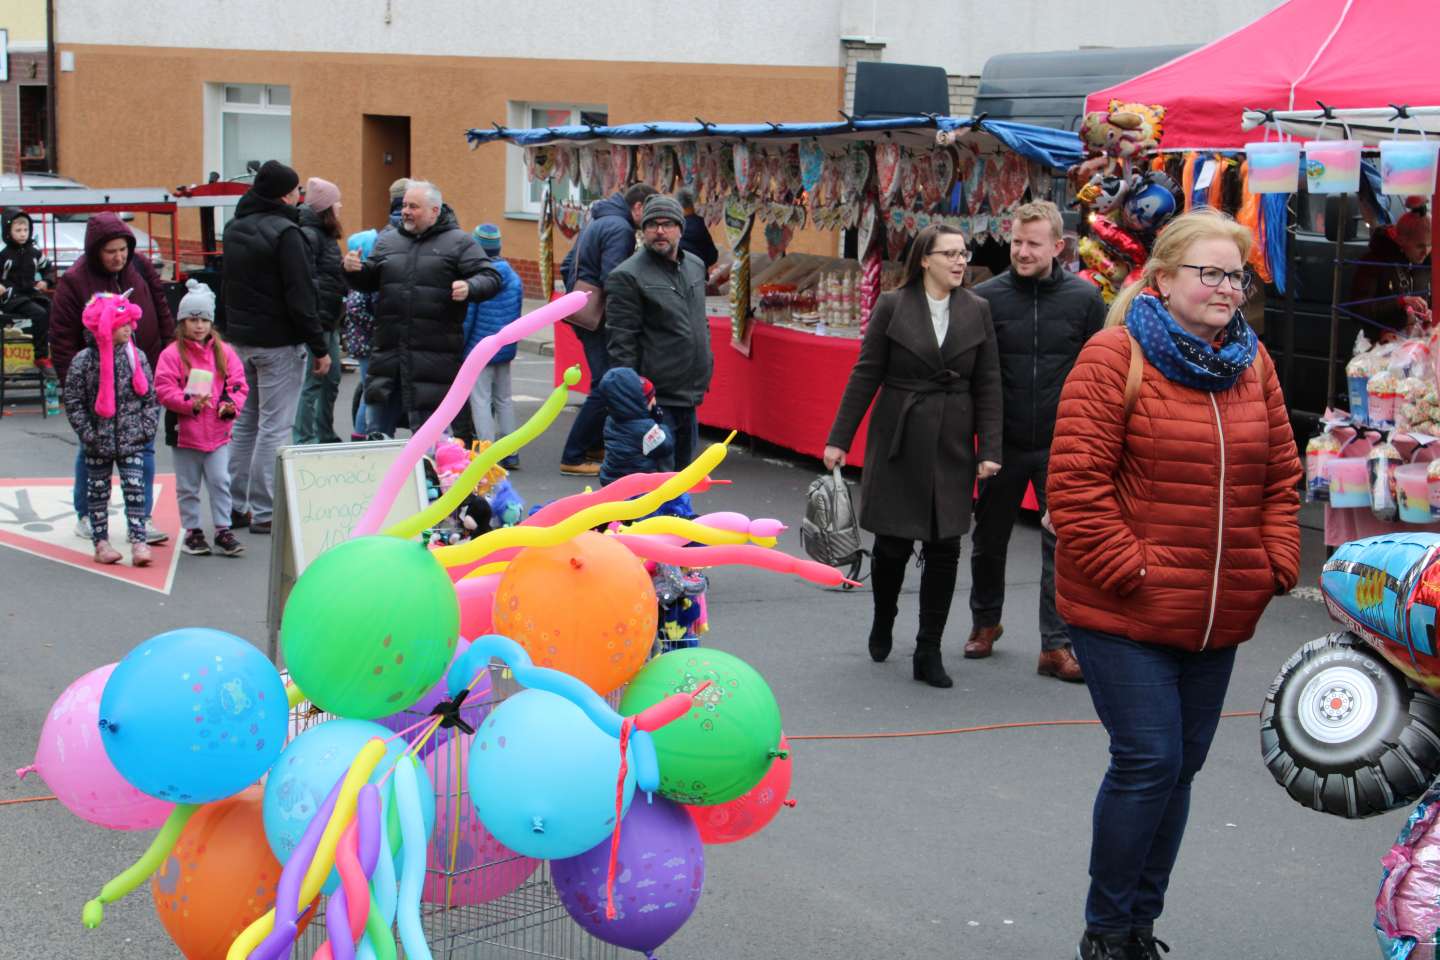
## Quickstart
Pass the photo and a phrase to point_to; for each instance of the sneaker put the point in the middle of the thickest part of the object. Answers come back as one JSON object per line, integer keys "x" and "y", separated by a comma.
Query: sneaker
{"x": 587, "y": 469}
{"x": 154, "y": 534}
{"x": 511, "y": 462}
{"x": 226, "y": 543}
{"x": 82, "y": 529}
{"x": 140, "y": 554}
{"x": 106, "y": 554}
{"x": 194, "y": 543}
{"x": 261, "y": 527}
{"x": 1103, "y": 946}
{"x": 239, "y": 520}
{"x": 1144, "y": 945}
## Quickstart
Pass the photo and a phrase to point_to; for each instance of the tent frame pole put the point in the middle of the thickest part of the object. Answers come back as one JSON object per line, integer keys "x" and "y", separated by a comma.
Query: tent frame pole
{"x": 1335, "y": 297}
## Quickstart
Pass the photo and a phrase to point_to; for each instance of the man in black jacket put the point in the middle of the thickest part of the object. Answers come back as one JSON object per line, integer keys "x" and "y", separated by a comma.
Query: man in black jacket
{"x": 270, "y": 318}
{"x": 696, "y": 237}
{"x": 1042, "y": 316}
{"x": 605, "y": 242}
{"x": 425, "y": 271}
{"x": 655, "y": 315}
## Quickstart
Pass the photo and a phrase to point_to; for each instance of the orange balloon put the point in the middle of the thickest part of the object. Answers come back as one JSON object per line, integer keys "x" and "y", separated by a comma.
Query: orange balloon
{"x": 585, "y": 606}
{"x": 220, "y": 877}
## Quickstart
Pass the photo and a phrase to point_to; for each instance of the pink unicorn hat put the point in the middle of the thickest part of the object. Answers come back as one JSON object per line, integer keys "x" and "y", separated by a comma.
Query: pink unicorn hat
{"x": 104, "y": 314}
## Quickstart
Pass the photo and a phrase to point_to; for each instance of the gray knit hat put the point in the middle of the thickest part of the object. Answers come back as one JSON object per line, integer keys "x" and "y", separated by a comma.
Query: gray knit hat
{"x": 199, "y": 301}
{"x": 662, "y": 207}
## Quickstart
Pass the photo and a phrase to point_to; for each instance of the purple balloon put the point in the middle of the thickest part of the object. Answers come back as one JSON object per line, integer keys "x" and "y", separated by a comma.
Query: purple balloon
{"x": 476, "y": 708}
{"x": 659, "y": 874}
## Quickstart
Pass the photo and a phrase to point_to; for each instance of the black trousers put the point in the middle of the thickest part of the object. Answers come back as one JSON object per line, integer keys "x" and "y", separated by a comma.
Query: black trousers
{"x": 38, "y": 312}
{"x": 940, "y": 560}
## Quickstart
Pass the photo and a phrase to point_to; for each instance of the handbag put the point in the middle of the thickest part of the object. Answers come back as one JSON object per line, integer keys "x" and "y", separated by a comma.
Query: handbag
{"x": 830, "y": 528}
{"x": 592, "y": 315}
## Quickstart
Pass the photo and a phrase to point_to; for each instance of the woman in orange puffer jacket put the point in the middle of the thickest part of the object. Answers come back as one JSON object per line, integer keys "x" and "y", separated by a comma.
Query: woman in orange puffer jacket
{"x": 1174, "y": 499}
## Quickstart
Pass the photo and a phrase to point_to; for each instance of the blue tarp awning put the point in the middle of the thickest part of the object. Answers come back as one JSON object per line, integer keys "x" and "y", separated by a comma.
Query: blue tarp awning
{"x": 1054, "y": 148}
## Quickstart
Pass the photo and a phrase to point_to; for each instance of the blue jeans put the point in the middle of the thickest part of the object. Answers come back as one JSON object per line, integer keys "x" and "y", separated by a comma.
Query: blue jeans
{"x": 588, "y": 430}
{"x": 685, "y": 428}
{"x": 315, "y": 416}
{"x": 362, "y": 422}
{"x": 81, "y": 499}
{"x": 1161, "y": 707}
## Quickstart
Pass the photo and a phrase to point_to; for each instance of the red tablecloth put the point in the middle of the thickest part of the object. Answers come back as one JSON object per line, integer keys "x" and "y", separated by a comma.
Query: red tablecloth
{"x": 786, "y": 392}
{"x": 1353, "y": 523}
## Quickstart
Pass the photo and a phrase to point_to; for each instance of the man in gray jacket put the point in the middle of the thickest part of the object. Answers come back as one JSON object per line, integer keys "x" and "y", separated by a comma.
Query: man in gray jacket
{"x": 655, "y": 315}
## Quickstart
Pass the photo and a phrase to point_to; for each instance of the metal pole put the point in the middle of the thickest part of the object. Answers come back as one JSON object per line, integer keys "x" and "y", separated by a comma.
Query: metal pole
{"x": 52, "y": 122}
{"x": 1288, "y": 367}
{"x": 1335, "y": 297}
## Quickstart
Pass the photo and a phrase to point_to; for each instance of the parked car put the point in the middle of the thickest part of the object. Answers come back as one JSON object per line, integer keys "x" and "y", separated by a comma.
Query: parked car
{"x": 63, "y": 236}
{"x": 1351, "y": 725}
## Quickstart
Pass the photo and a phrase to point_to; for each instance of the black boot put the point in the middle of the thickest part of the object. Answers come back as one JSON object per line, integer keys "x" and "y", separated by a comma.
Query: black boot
{"x": 937, "y": 588}
{"x": 887, "y": 575}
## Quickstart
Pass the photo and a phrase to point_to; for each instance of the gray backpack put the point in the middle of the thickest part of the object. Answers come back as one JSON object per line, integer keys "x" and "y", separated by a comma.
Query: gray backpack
{"x": 830, "y": 530}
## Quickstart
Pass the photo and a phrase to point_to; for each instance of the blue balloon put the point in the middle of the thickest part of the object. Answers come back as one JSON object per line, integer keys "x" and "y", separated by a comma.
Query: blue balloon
{"x": 193, "y": 715}
{"x": 543, "y": 776}
{"x": 305, "y": 773}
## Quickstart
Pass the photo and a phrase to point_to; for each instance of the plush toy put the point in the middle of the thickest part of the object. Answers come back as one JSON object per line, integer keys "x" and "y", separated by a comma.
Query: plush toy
{"x": 680, "y": 594}
{"x": 1124, "y": 129}
{"x": 474, "y": 515}
{"x": 1150, "y": 203}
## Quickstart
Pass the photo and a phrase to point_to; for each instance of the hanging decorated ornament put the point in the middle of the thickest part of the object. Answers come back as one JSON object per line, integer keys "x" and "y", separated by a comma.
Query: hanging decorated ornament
{"x": 589, "y": 171}
{"x": 812, "y": 163}
{"x": 909, "y": 181}
{"x": 620, "y": 165}
{"x": 887, "y": 171}
{"x": 644, "y": 163}
{"x": 687, "y": 156}
{"x": 942, "y": 168}
{"x": 855, "y": 171}
{"x": 740, "y": 164}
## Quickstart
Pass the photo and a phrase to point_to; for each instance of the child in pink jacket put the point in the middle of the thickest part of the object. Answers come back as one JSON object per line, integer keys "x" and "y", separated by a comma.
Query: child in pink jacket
{"x": 201, "y": 380}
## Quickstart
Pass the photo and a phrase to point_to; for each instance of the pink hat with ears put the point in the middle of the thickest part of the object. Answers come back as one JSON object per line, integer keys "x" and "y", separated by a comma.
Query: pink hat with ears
{"x": 104, "y": 314}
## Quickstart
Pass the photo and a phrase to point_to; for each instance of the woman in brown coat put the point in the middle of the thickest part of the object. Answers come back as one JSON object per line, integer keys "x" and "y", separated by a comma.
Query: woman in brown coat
{"x": 930, "y": 352}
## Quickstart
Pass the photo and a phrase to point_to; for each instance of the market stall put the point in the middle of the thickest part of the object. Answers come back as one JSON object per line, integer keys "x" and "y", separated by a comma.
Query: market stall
{"x": 787, "y": 334}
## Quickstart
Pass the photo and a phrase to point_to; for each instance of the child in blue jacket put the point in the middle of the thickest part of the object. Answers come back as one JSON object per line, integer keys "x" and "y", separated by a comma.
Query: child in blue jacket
{"x": 636, "y": 440}
{"x": 490, "y": 399}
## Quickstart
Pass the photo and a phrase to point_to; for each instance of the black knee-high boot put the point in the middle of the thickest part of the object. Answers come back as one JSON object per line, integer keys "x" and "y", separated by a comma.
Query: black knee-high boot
{"x": 937, "y": 588}
{"x": 887, "y": 576}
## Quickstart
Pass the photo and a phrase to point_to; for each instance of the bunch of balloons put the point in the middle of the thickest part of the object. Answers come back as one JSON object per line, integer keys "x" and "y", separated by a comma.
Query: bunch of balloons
{"x": 422, "y": 780}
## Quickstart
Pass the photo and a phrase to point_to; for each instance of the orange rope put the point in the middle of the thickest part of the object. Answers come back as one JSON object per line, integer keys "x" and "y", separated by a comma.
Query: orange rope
{"x": 6, "y": 803}
{"x": 979, "y": 729}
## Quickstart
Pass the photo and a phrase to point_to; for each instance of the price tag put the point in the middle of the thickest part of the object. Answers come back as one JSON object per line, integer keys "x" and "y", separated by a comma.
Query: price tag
{"x": 653, "y": 438}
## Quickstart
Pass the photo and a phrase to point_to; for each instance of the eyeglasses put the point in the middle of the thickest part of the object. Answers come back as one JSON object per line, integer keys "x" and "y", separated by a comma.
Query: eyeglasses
{"x": 953, "y": 256}
{"x": 661, "y": 225}
{"x": 1211, "y": 276}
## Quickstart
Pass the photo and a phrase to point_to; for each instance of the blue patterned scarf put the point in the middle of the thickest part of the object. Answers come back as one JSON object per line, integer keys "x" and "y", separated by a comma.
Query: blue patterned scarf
{"x": 1185, "y": 358}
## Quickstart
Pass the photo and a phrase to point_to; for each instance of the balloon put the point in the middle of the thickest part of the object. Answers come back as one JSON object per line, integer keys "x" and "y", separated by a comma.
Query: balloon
{"x": 543, "y": 777}
{"x": 487, "y": 458}
{"x": 307, "y": 770}
{"x": 603, "y": 628}
{"x": 651, "y": 548}
{"x": 659, "y": 874}
{"x": 456, "y": 397}
{"x": 477, "y": 604}
{"x": 348, "y": 790}
{"x": 219, "y": 877}
{"x": 593, "y": 516}
{"x": 467, "y": 865}
{"x": 74, "y": 764}
{"x": 679, "y": 531}
{"x": 379, "y": 940}
{"x": 370, "y": 626}
{"x": 476, "y": 709}
{"x": 193, "y": 715}
{"x": 750, "y": 812}
{"x": 407, "y": 801}
{"x": 725, "y": 743}
{"x": 93, "y": 913}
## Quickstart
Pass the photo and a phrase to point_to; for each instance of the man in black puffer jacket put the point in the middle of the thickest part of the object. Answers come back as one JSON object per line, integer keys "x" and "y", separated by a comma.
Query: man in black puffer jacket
{"x": 425, "y": 272}
{"x": 270, "y": 317}
{"x": 1042, "y": 316}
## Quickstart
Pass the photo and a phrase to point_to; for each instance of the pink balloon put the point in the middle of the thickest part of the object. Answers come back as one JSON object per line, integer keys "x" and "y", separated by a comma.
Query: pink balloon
{"x": 74, "y": 764}
{"x": 455, "y": 398}
{"x": 483, "y": 868}
{"x": 477, "y": 604}
{"x": 651, "y": 548}
{"x": 750, "y": 812}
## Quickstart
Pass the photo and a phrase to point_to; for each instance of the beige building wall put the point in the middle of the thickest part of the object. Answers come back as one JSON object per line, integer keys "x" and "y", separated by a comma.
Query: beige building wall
{"x": 25, "y": 19}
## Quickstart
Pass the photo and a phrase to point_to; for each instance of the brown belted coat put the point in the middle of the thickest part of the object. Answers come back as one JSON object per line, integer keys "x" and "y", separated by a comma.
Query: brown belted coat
{"x": 935, "y": 399}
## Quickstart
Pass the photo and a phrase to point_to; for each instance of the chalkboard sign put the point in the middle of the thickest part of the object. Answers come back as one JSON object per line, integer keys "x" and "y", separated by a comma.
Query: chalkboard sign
{"x": 321, "y": 492}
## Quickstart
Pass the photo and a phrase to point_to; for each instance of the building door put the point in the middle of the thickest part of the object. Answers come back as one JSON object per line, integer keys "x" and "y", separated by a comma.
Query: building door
{"x": 385, "y": 146}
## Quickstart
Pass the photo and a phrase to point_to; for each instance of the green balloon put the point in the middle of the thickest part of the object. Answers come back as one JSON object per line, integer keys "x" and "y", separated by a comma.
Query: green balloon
{"x": 370, "y": 627}
{"x": 726, "y": 741}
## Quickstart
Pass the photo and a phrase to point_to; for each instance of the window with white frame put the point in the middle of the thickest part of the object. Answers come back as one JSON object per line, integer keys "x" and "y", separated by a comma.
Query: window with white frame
{"x": 522, "y": 197}
{"x": 246, "y": 124}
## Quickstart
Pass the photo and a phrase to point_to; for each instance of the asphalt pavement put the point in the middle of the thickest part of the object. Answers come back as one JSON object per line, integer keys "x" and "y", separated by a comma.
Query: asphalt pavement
{"x": 969, "y": 845}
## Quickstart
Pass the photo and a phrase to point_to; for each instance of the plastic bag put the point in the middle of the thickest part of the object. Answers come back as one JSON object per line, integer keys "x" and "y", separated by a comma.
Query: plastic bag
{"x": 1382, "y": 461}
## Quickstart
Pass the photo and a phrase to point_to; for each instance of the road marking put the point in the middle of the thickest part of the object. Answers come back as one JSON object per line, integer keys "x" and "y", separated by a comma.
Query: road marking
{"x": 37, "y": 517}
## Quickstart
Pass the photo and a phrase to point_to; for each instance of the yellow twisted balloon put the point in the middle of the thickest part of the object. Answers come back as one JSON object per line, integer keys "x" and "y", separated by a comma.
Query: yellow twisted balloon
{"x": 590, "y": 517}
{"x": 697, "y": 532}
{"x": 486, "y": 460}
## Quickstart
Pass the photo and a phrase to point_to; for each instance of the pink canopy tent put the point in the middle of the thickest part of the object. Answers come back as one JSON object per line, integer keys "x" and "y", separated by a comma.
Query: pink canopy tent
{"x": 1347, "y": 53}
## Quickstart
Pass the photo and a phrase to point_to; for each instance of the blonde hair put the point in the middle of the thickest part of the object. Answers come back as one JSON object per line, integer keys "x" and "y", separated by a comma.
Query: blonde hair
{"x": 1204, "y": 223}
{"x": 1041, "y": 210}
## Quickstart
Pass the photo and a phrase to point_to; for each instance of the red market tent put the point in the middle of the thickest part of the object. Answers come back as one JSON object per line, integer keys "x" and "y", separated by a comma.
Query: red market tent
{"x": 1348, "y": 53}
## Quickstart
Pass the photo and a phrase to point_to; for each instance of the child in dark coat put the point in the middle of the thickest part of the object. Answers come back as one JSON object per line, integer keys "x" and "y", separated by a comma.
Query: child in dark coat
{"x": 26, "y": 278}
{"x": 635, "y": 439}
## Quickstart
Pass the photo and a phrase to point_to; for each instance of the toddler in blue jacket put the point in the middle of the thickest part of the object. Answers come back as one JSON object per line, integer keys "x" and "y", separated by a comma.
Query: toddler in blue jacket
{"x": 636, "y": 440}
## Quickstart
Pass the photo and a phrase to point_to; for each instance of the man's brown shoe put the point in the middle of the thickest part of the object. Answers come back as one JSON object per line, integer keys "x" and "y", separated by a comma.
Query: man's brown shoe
{"x": 982, "y": 641}
{"x": 1060, "y": 664}
{"x": 587, "y": 469}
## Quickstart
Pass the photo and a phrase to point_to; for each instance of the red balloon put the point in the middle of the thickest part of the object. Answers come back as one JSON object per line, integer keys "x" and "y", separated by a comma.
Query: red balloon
{"x": 750, "y": 812}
